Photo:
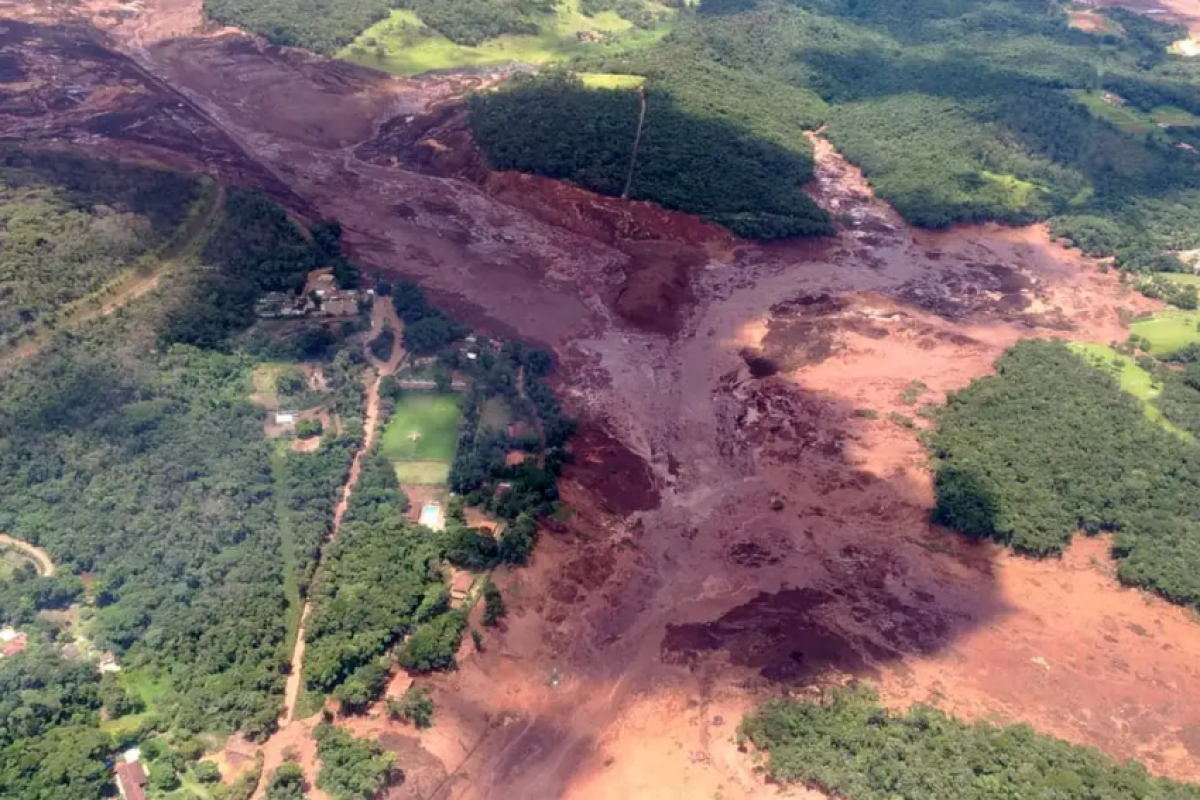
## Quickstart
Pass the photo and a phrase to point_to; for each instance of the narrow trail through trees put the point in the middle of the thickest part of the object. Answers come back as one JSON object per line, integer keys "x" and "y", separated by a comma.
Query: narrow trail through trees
{"x": 637, "y": 142}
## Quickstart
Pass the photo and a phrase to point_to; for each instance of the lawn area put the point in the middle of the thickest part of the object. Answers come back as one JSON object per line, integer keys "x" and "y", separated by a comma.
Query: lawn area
{"x": 1130, "y": 119}
{"x": 495, "y": 414}
{"x": 140, "y": 684}
{"x": 1168, "y": 330}
{"x": 422, "y": 473}
{"x": 12, "y": 560}
{"x": 607, "y": 80}
{"x": 1132, "y": 378}
{"x": 424, "y": 427}
{"x": 1185, "y": 278}
{"x": 403, "y": 45}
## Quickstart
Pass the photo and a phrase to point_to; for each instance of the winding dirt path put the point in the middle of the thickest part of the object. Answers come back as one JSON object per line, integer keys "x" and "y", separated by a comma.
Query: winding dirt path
{"x": 45, "y": 565}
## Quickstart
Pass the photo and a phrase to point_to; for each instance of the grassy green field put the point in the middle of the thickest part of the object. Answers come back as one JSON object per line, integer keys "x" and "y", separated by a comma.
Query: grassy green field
{"x": 422, "y": 473}
{"x": 1130, "y": 119}
{"x": 606, "y": 80}
{"x": 1187, "y": 279}
{"x": 402, "y": 44}
{"x": 11, "y": 560}
{"x": 1133, "y": 379}
{"x": 1168, "y": 330}
{"x": 140, "y": 684}
{"x": 422, "y": 437}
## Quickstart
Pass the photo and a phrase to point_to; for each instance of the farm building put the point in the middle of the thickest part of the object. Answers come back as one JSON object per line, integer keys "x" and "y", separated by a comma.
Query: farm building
{"x": 285, "y": 417}
{"x": 131, "y": 780}
{"x": 12, "y": 642}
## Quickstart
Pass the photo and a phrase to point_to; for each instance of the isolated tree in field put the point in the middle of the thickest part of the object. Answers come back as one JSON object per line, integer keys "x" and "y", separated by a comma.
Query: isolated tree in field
{"x": 494, "y": 608}
{"x": 416, "y": 707}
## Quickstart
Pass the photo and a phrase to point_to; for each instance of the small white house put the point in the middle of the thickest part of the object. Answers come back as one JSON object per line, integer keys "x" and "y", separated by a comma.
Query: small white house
{"x": 285, "y": 417}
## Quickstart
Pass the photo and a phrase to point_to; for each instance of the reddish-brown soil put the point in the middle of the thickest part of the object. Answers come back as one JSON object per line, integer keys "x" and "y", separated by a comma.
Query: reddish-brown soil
{"x": 1182, "y": 12}
{"x": 738, "y": 523}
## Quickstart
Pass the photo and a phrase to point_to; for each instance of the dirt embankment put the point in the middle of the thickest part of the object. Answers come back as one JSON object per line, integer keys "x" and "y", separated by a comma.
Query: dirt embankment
{"x": 738, "y": 525}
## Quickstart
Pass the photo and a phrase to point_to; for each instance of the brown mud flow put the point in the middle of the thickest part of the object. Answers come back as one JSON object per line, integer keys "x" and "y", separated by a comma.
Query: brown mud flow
{"x": 748, "y": 502}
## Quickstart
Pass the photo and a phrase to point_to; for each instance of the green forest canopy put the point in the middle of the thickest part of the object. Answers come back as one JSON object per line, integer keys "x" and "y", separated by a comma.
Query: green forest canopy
{"x": 1050, "y": 446}
{"x": 848, "y": 745}
{"x": 694, "y": 159}
{"x": 68, "y": 225}
{"x": 129, "y": 450}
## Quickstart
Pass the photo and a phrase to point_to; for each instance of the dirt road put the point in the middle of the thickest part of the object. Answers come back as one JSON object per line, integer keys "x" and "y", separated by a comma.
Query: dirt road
{"x": 45, "y": 565}
{"x": 383, "y": 315}
{"x": 738, "y": 525}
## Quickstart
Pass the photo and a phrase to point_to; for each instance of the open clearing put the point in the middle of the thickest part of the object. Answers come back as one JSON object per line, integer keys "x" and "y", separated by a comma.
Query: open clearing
{"x": 1130, "y": 119}
{"x": 424, "y": 427}
{"x": 12, "y": 560}
{"x": 422, "y": 473}
{"x": 1169, "y": 330}
{"x": 403, "y": 45}
{"x": 1133, "y": 379}
{"x": 607, "y": 80}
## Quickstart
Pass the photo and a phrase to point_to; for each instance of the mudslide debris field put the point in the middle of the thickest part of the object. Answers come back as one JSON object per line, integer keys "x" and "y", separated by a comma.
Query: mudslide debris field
{"x": 739, "y": 522}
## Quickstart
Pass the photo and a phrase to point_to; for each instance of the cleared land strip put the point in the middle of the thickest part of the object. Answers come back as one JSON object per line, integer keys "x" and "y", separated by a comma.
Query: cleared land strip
{"x": 45, "y": 565}
{"x": 128, "y": 287}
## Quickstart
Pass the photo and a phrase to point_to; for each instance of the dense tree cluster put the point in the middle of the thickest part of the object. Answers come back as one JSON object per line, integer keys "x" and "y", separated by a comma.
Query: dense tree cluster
{"x": 704, "y": 164}
{"x": 323, "y": 26}
{"x": 379, "y": 581}
{"x": 472, "y": 22}
{"x": 287, "y": 783}
{"x": 255, "y": 249}
{"x": 847, "y": 744}
{"x": 1050, "y": 446}
{"x": 68, "y": 225}
{"x": 149, "y": 471}
{"x": 140, "y": 461}
{"x": 961, "y": 110}
{"x": 50, "y": 747}
{"x": 351, "y": 768}
{"x": 416, "y": 706}
{"x": 427, "y": 329}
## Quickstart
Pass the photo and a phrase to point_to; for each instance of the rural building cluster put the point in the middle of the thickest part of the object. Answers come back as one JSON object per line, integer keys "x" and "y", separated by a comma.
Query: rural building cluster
{"x": 322, "y": 297}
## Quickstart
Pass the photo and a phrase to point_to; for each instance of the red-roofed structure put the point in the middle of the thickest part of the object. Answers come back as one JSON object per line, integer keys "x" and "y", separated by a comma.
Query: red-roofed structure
{"x": 131, "y": 781}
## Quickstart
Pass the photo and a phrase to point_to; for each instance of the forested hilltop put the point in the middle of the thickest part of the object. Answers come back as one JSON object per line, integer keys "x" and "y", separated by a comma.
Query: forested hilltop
{"x": 957, "y": 111}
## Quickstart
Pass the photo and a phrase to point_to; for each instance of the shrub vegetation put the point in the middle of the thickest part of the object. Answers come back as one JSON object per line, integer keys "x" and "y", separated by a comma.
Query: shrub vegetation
{"x": 848, "y": 745}
{"x": 1050, "y": 446}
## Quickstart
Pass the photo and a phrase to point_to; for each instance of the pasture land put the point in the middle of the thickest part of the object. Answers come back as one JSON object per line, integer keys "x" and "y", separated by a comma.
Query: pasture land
{"x": 608, "y": 80}
{"x": 424, "y": 427}
{"x": 1132, "y": 120}
{"x": 422, "y": 473}
{"x": 1169, "y": 330}
{"x": 403, "y": 44}
{"x": 1132, "y": 378}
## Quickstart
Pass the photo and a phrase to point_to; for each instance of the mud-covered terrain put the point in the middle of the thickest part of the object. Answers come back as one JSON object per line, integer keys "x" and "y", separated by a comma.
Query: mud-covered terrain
{"x": 749, "y": 497}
